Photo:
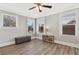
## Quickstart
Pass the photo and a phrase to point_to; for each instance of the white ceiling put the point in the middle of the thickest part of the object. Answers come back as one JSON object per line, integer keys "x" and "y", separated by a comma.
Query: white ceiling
{"x": 22, "y": 8}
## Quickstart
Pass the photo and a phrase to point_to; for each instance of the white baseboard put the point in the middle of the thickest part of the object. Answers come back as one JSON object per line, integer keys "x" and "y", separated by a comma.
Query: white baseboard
{"x": 68, "y": 44}
{"x": 6, "y": 43}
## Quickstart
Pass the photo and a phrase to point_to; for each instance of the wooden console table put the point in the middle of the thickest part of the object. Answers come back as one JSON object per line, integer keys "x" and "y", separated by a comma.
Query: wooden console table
{"x": 48, "y": 38}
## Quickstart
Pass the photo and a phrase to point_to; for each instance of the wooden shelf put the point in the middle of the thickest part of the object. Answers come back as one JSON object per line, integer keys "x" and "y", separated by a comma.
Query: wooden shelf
{"x": 48, "y": 38}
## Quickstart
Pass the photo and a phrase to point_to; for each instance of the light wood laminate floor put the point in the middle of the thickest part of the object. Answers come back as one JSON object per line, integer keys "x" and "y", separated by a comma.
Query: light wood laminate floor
{"x": 38, "y": 47}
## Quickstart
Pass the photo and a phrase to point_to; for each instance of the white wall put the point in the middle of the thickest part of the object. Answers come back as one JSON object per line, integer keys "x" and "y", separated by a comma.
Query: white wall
{"x": 8, "y": 35}
{"x": 54, "y": 22}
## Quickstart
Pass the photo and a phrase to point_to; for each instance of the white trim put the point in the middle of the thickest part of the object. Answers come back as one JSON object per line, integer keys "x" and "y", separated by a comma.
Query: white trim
{"x": 68, "y": 44}
{"x": 6, "y": 43}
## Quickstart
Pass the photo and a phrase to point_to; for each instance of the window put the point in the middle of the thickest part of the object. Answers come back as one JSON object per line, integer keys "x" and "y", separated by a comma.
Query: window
{"x": 68, "y": 24}
{"x": 31, "y": 25}
{"x": 36, "y": 26}
{"x": 41, "y": 28}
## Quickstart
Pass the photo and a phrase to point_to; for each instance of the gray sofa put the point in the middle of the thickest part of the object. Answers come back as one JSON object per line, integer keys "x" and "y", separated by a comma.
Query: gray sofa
{"x": 19, "y": 40}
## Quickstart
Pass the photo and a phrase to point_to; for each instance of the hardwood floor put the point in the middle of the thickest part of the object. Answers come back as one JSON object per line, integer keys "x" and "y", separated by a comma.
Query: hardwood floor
{"x": 38, "y": 47}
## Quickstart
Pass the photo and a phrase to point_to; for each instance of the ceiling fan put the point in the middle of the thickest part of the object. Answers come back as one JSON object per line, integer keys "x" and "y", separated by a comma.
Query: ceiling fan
{"x": 39, "y": 5}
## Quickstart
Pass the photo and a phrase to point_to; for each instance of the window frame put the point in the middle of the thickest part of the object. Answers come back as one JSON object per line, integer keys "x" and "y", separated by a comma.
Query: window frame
{"x": 61, "y": 25}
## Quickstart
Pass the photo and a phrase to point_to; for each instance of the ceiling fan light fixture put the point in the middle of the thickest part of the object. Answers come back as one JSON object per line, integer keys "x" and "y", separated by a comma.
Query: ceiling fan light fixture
{"x": 40, "y": 5}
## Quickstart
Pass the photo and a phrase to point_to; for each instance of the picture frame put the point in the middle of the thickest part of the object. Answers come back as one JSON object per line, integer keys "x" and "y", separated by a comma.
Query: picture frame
{"x": 9, "y": 21}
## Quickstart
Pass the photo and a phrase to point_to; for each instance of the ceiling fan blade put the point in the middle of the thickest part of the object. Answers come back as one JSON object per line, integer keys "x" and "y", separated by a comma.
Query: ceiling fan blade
{"x": 47, "y": 6}
{"x": 32, "y": 8}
